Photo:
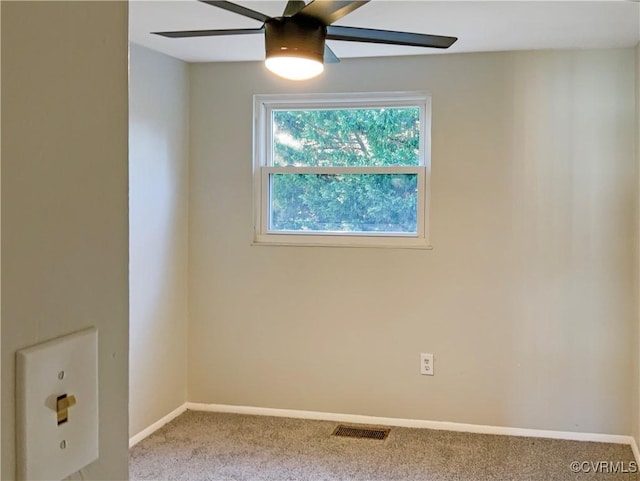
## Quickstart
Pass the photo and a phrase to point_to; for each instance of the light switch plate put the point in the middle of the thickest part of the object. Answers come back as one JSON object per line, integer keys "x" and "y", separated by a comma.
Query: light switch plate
{"x": 66, "y": 365}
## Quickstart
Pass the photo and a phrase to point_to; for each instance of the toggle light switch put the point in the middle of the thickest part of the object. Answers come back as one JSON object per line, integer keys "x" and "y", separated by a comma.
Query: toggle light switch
{"x": 57, "y": 406}
{"x": 63, "y": 403}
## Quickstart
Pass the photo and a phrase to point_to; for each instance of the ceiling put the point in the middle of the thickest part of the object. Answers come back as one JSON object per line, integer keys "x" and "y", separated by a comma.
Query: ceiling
{"x": 480, "y": 25}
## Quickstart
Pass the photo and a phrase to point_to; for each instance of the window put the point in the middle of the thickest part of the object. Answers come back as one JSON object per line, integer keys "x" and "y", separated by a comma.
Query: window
{"x": 348, "y": 169}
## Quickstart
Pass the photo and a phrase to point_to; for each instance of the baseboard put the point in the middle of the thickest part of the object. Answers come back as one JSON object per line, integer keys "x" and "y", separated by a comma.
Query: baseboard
{"x": 416, "y": 423}
{"x": 157, "y": 425}
{"x": 634, "y": 448}
{"x": 384, "y": 421}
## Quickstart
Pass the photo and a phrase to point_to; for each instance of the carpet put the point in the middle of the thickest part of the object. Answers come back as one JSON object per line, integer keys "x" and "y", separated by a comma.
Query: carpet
{"x": 231, "y": 447}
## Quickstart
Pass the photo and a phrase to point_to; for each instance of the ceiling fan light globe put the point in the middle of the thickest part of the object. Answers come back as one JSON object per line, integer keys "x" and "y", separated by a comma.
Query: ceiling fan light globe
{"x": 294, "y": 68}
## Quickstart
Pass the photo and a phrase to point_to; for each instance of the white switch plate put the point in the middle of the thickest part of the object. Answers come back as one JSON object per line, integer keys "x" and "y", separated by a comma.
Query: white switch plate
{"x": 67, "y": 365}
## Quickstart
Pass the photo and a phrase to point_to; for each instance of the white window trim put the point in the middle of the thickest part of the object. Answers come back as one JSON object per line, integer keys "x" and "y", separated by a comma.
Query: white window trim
{"x": 262, "y": 168}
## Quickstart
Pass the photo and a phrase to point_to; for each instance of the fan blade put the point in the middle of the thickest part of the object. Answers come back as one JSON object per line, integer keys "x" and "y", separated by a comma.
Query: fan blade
{"x": 239, "y": 9}
{"x": 328, "y": 11}
{"x": 293, "y": 7}
{"x": 208, "y": 33}
{"x": 330, "y": 56}
{"x": 355, "y": 34}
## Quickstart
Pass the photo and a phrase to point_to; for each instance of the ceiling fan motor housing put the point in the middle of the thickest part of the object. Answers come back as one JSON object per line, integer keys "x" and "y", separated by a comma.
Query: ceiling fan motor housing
{"x": 289, "y": 37}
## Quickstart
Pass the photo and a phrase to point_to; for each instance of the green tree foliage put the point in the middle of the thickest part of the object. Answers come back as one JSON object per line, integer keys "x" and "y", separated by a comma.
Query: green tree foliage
{"x": 333, "y": 201}
{"x": 347, "y": 137}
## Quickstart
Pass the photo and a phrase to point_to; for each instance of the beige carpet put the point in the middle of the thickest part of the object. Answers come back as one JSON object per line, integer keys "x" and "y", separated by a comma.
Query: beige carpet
{"x": 211, "y": 446}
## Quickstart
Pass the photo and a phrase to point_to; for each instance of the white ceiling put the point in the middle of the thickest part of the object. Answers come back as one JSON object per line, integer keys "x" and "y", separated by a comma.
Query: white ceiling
{"x": 481, "y": 26}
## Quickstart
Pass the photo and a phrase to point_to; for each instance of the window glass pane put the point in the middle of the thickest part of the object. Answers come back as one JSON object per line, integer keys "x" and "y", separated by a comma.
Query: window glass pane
{"x": 344, "y": 202}
{"x": 346, "y": 137}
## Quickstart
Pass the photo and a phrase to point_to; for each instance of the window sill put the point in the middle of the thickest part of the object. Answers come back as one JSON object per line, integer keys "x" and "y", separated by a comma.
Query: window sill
{"x": 384, "y": 242}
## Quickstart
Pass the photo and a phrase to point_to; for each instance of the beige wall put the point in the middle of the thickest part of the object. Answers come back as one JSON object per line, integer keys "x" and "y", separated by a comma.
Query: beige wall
{"x": 0, "y": 230}
{"x": 158, "y": 169}
{"x": 636, "y": 371}
{"x": 528, "y": 299}
{"x": 64, "y": 199}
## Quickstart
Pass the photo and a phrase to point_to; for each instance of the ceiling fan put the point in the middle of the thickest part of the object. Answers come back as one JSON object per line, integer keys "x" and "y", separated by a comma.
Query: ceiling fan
{"x": 295, "y": 42}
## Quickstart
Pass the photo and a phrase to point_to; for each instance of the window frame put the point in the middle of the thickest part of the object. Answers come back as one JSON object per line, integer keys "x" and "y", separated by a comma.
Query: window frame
{"x": 263, "y": 168}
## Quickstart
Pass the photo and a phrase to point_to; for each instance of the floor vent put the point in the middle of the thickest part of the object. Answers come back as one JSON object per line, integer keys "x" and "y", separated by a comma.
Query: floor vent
{"x": 361, "y": 433}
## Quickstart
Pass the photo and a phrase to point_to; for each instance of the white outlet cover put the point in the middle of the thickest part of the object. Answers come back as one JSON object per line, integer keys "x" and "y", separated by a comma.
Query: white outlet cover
{"x": 66, "y": 365}
{"x": 426, "y": 364}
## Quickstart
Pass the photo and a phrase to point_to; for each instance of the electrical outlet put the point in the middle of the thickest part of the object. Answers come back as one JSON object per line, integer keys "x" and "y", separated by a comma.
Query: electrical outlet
{"x": 426, "y": 364}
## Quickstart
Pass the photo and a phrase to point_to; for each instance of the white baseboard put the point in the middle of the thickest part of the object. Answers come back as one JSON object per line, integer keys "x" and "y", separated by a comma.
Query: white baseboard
{"x": 634, "y": 448}
{"x": 157, "y": 425}
{"x": 417, "y": 423}
{"x": 383, "y": 421}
